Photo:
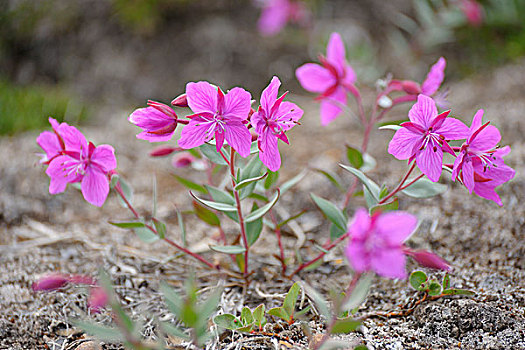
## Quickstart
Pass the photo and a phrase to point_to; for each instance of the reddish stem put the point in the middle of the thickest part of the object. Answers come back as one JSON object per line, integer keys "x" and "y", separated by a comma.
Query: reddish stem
{"x": 278, "y": 234}
{"x": 401, "y": 183}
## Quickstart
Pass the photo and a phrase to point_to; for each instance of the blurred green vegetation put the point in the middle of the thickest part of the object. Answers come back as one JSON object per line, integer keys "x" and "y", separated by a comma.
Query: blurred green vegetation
{"x": 26, "y": 108}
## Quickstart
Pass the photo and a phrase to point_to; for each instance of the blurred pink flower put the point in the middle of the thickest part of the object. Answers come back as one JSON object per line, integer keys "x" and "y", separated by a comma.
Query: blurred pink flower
{"x": 50, "y": 283}
{"x": 332, "y": 79}
{"x": 376, "y": 242}
{"x": 473, "y": 11}
{"x": 98, "y": 299}
{"x": 277, "y": 13}
{"x": 217, "y": 115}
{"x": 271, "y": 120}
{"x": 428, "y": 259}
{"x": 425, "y": 136}
{"x": 182, "y": 160}
{"x": 158, "y": 122}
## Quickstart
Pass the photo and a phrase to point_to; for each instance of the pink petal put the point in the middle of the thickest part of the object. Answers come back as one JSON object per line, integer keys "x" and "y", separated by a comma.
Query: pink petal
{"x": 395, "y": 227}
{"x": 458, "y": 164}
{"x": 269, "y": 95}
{"x": 288, "y": 115}
{"x": 423, "y": 111}
{"x": 335, "y": 53}
{"x": 314, "y": 78}
{"x": 453, "y": 129}
{"x": 269, "y": 150}
{"x": 104, "y": 156}
{"x": 332, "y": 106}
{"x": 273, "y": 17}
{"x": 359, "y": 228}
{"x": 196, "y": 133}
{"x": 434, "y": 78}
{"x": 60, "y": 175}
{"x": 202, "y": 97}
{"x": 403, "y": 142}
{"x": 467, "y": 173}
{"x": 476, "y": 121}
{"x": 487, "y": 139}
{"x": 50, "y": 283}
{"x": 389, "y": 263}
{"x": 357, "y": 256}
{"x": 48, "y": 141}
{"x": 74, "y": 140}
{"x": 430, "y": 162}
{"x": 486, "y": 190}
{"x": 238, "y": 137}
{"x": 237, "y": 103}
{"x": 95, "y": 187}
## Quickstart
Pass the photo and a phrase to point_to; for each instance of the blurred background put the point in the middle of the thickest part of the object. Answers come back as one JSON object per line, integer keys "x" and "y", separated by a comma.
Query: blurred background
{"x": 71, "y": 58}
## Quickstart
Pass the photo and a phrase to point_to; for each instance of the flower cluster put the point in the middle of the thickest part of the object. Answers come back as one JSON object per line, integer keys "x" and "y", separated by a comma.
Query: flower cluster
{"x": 72, "y": 159}
{"x": 223, "y": 117}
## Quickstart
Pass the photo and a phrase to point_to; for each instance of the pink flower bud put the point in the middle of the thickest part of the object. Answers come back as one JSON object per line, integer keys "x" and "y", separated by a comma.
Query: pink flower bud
{"x": 428, "y": 259}
{"x": 98, "y": 299}
{"x": 81, "y": 279}
{"x": 180, "y": 101}
{"x": 410, "y": 87}
{"x": 50, "y": 282}
{"x": 161, "y": 107}
{"x": 182, "y": 160}
{"x": 164, "y": 151}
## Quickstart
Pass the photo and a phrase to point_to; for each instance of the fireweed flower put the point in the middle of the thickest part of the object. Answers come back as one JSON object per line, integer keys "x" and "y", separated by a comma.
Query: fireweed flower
{"x": 84, "y": 163}
{"x": 425, "y": 136}
{"x": 332, "y": 79}
{"x": 473, "y": 12}
{"x": 376, "y": 242}
{"x": 480, "y": 164}
{"x": 217, "y": 115}
{"x": 277, "y": 13}
{"x": 158, "y": 122}
{"x": 271, "y": 120}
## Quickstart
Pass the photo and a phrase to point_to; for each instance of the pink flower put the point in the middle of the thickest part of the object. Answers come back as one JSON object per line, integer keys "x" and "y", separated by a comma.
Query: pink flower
{"x": 376, "y": 243}
{"x": 425, "y": 136}
{"x": 51, "y": 142}
{"x": 217, "y": 115}
{"x": 50, "y": 282}
{"x": 332, "y": 79}
{"x": 276, "y": 13}
{"x": 472, "y": 11}
{"x": 271, "y": 120}
{"x": 84, "y": 163}
{"x": 98, "y": 299}
{"x": 183, "y": 160}
{"x": 158, "y": 122}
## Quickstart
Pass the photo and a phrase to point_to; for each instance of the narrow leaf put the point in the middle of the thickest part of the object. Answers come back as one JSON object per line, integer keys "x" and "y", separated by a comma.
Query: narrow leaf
{"x": 336, "y": 232}
{"x": 332, "y": 177}
{"x": 160, "y": 227}
{"x": 359, "y": 293}
{"x": 214, "y": 205}
{"x": 258, "y": 315}
{"x": 455, "y": 291}
{"x": 354, "y": 156}
{"x": 228, "y": 249}
{"x": 320, "y": 303}
{"x": 246, "y": 182}
{"x": 424, "y": 188}
{"x": 331, "y": 211}
{"x": 129, "y": 224}
{"x": 291, "y": 298}
{"x": 190, "y": 184}
{"x": 271, "y": 179}
{"x": 206, "y": 215}
{"x": 263, "y": 210}
{"x": 292, "y": 182}
{"x": 254, "y": 228}
{"x": 346, "y": 325}
{"x": 390, "y": 127}
{"x": 127, "y": 190}
{"x": 101, "y": 332}
{"x": 370, "y": 185}
{"x": 146, "y": 235}
{"x": 389, "y": 206}
{"x": 210, "y": 152}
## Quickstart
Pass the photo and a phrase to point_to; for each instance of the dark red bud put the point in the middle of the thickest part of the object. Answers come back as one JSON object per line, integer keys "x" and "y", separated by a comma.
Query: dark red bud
{"x": 428, "y": 259}
{"x": 164, "y": 151}
{"x": 410, "y": 87}
{"x": 180, "y": 101}
{"x": 50, "y": 282}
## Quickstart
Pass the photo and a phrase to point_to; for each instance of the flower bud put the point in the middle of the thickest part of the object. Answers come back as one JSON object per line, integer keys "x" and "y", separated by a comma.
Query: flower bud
{"x": 81, "y": 279}
{"x": 180, "y": 101}
{"x": 98, "y": 299}
{"x": 50, "y": 282}
{"x": 164, "y": 151}
{"x": 182, "y": 160}
{"x": 410, "y": 87}
{"x": 428, "y": 259}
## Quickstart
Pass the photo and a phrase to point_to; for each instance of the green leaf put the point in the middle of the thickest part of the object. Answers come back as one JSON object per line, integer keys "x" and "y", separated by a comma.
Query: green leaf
{"x": 190, "y": 184}
{"x": 291, "y": 298}
{"x": 258, "y": 316}
{"x": 292, "y": 182}
{"x": 114, "y": 180}
{"x": 424, "y": 188}
{"x": 332, "y": 177}
{"x": 279, "y": 312}
{"x": 127, "y": 190}
{"x": 245, "y": 183}
{"x": 206, "y": 215}
{"x": 417, "y": 280}
{"x": 146, "y": 235}
{"x": 335, "y": 232}
{"x": 331, "y": 211}
{"x": 354, "y": 156}
{"x": 214, "y": 205}
{"x": 160, "y": 227}
{"x": 246, "y": 316}
{"x": 209, "y": 306}
{"x": 284, "y": 222}
{"x": 271, "y": 179}
{"x": 389, "y": 206}
{"x": 101, "y": 332}
{"x": 254, "y": 147}
{"x": 263, "y": 210}
{"x": 228, "y": 249}
{"x": 320, "y": 303}
{"x": 383, "y": 192}
{"x": 434, "y": 288}
{"x": 446, "y": 281}
{"x": 128, "y": 224}
{"x": 211, "y": 153}
{"x": 170, "y": 329}
{"x": 249, "y": 172}
{"x": 226, "y": 321}
{"x": 455, "y": 291}
{"x": 369, "y": 163}
{"x": 254, "y": 228}
{"x": 371, "y": 200}
{"x": 346, "y": 325}
{"x": 390, "y": 127}
{"x": 359, "y": 292}
{"x": 220, "y": 196}
{"x": 370, "y": 185}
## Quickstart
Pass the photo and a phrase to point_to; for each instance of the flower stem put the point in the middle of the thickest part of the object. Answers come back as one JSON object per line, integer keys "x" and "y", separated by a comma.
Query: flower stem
{"x": 401, "y": 183}
{"x": 327, "y": 247}
{"x": 239, "y": 212}
{"x": 167, "y": 240}
{"x": 278, "y": 234}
